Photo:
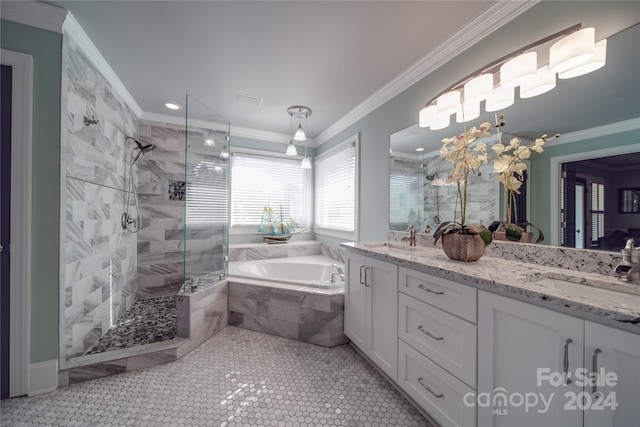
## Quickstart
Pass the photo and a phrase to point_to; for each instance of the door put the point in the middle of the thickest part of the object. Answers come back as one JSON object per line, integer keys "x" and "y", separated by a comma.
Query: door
{"x": 568, "y": 205}
{"x": 382, "y": 278}
{"x": 580, "y": 214}
{"x": 523, "y": 352}
{"x": 355, "y": 301}
{"x": 5, "y": 227}
{"x": 615, "y": 355}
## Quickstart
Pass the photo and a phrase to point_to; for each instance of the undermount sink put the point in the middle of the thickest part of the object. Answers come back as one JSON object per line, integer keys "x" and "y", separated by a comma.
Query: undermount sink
{"x": 622, "y": 295}
{"x": 392, "y": 245}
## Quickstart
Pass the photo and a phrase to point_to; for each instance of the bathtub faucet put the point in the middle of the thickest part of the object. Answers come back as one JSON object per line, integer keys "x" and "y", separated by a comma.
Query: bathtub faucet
{"x": 340, "y": 273}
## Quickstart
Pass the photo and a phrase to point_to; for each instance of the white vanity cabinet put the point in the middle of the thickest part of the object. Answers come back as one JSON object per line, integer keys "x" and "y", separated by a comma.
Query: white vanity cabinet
{"x": 524, "y": 352}
{"x": 437, "y": 345}
{"x": 371, "y": 310}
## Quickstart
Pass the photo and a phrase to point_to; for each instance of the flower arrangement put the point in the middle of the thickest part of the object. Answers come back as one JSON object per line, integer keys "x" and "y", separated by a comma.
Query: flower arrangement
{"x": 509, "y": 167}
{"x": 466, "y": 156}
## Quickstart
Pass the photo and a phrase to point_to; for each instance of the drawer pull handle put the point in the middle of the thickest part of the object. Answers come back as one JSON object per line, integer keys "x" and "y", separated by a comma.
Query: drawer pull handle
{"x": 421, "y": 329}
{"x": 430, "y": 290}
{"x": 429, "y": 389}
{"x": 594, "y": 370}
{"x": 565, "y": 364}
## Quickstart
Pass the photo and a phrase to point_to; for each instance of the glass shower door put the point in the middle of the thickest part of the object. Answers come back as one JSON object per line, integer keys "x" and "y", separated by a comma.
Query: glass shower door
{"x": 206, "y": 231}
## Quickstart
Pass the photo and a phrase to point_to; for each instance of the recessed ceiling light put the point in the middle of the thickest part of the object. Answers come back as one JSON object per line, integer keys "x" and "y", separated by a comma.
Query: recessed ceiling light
{"x": 172, "y": 105}
{"x": 419, "y": 149}
{"x": 209, "y": 142}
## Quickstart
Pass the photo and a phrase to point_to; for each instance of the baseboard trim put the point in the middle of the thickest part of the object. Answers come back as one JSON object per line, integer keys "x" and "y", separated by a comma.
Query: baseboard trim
{"x": 43, "y": 377}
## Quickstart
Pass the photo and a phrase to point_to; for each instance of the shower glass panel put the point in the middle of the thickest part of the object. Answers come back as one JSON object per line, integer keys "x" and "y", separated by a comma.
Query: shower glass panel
{"x": 206, "y": 194}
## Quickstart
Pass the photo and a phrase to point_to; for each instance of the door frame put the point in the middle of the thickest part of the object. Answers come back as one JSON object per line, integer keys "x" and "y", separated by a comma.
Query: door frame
{"x": 556, "y": 170}
{"x": 20, "y": 236}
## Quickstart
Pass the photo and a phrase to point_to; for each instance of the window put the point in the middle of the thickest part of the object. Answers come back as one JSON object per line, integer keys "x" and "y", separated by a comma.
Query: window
{"x": 259, "y": 181}
{"x": 336, "y": 190}
{"x": 407, "y": 200}
{"x": 597, "y": 212}
{"x": 206, "y": 193}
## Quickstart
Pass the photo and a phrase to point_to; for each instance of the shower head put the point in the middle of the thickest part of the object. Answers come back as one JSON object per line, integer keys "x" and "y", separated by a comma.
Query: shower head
{"x": 141, "y": 148}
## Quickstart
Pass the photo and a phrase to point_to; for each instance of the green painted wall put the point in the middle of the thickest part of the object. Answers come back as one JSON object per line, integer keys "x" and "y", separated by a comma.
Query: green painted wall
{"x": 541, "y": 171}
{"x": 46, "y": 49}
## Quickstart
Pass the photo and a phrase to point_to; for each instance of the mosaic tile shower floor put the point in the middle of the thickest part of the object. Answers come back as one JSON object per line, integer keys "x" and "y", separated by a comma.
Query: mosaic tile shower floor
{"x": 148, "y": 320}
{"x": 236, "y": 378}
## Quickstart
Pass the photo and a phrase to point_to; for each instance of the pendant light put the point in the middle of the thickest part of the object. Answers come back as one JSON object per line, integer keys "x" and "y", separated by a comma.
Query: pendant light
{"x": 291, "y": 148}
{"x": 299, "y": 111}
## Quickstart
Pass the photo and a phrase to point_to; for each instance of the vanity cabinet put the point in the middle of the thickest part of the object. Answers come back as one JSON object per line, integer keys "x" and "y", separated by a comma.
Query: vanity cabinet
{"x": 532, "y": 354}
{"x": 437, "y": 345}
{"x": 371, "y": 310}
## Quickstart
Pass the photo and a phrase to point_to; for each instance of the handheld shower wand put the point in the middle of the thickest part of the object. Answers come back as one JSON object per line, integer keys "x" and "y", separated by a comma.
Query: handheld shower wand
{"x": 128, "y": 221}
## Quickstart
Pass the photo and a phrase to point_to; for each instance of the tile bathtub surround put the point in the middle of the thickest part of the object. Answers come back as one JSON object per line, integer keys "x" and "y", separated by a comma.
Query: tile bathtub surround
{"x": 162, "y": 248}
{"x": 237, "y": 378}
{"x": 305, "y": 316}
{"x": 256, "y": 251}
{"x": 587, "y": 261}
{"x": 97, "y": 257}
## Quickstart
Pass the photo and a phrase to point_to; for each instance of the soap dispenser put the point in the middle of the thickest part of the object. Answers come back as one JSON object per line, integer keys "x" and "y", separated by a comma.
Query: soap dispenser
{"x": 626, "y": 264}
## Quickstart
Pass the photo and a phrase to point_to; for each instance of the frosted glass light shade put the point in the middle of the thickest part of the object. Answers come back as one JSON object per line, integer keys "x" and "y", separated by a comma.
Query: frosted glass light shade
{"x": 299, "y": 135}
{"x": 306, "y": 163}
{"x": 518, "y": 70}
{"x": 501, "y": 97}
{"x": 543, "y": 82}
{"x": 441, "y": 122}
{"x": 598, "y": 60}
{"x": 471, "y": 111}
{"x": 572, "y": 50}
{"x": 291, "y": 149}
{"x": 427, "y": 116}
{"x": 448, "y": 103}
{"x": 477, "y": 89}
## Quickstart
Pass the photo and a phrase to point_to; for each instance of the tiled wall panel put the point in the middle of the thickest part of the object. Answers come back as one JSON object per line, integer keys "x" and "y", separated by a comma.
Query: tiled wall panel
{"x": 97, "y": 258}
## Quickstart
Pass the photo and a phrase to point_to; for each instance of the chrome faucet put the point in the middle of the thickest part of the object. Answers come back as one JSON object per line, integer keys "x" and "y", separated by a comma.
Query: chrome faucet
{"x": 340, "y": 273}
{"x": 411, "y": 237}
{"x": 628, "y": 269}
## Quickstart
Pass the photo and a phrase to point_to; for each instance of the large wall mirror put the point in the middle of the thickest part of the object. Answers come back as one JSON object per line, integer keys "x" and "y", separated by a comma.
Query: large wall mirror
{"x": 580, "y": 107}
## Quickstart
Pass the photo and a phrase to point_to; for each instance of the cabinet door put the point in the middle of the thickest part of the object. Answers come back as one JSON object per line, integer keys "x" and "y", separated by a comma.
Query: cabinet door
{"x": 515, "y": 340}
{"x": 619, "y": 356}
{"x": 383, "y": 316}
{"x": 355, "y": 301}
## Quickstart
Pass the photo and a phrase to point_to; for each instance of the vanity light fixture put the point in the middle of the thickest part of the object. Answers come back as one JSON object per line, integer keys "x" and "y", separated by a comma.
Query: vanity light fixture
{"x": 574, "y": 53}
{"x": 299, "y": 111}
{"x": 172, "y": 105}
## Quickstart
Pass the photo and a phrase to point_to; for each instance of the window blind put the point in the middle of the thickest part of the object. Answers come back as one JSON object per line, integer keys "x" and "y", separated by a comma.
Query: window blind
{"x": 405, "y": 198}
{"x": 335, "y": 188}
{"x": 207, "y": 197}
{"x": 257, "y": 182}
{"x": 597, "y": 211}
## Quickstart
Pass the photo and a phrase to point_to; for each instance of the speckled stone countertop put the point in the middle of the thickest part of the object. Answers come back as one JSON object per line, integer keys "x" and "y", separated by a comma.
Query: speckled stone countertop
{"x": 519, "y": 280}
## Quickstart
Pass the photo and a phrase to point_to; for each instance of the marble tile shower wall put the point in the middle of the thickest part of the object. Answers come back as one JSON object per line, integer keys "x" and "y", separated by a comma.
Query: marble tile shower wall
{"x": 161, "y": 242}
{"x": 97, "y": 258}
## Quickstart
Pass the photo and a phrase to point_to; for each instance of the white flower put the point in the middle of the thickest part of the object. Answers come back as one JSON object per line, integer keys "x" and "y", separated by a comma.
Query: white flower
{"x": 498, "y": 148}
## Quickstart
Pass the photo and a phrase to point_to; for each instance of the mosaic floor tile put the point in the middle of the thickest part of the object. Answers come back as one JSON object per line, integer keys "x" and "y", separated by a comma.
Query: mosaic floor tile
{"x": 236, "y": 378}
{"x": 149, "y": 320}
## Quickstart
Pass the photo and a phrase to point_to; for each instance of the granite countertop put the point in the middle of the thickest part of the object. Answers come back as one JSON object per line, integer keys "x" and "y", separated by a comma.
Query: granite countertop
{"x": 520, "y": 280}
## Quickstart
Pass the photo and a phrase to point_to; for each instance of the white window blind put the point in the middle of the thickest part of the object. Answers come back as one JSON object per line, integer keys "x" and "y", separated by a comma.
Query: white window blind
{"x": 336, "y": 188}
{"x": 406, "y": 198}
{"x": 257, "y": 182}
{"x": 206, "y": 192}
{"x": 597, "y": 211}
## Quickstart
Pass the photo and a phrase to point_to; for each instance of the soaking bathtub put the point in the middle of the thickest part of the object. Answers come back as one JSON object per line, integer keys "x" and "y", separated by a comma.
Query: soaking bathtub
{"x": 313, "y": 271}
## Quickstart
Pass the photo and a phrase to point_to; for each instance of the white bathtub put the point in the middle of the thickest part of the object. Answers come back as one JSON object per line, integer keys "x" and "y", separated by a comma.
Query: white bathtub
{"x": 311, "y": 270}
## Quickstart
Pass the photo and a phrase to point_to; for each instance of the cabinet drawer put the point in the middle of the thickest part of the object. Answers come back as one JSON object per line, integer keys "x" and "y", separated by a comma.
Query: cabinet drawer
{"x": 447, "y": 340}
{"x": 436, "y": 391}
{"x": 447, "y": 295}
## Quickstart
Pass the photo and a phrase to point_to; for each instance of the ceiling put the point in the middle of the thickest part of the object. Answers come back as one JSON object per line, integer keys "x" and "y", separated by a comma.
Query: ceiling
{"x": 327, "y": 55}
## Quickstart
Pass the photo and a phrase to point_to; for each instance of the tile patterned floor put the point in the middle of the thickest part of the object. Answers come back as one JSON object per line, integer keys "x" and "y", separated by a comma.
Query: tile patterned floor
{"x": 237, "y": 378}
{"x": 148, "y": 320}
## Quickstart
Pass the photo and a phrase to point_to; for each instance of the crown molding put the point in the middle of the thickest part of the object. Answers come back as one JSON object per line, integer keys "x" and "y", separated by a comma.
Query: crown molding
{"x": 72, "y": 28}
{"x": 596, "y": 132}
{"x": 34, "y": 14}
{"x": 236, "y": 131}
{"x": 480, "y": 27}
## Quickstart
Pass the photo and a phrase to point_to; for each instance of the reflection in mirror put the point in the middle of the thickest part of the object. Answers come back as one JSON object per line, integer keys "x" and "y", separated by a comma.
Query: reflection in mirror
{"x": 576, "y": 106}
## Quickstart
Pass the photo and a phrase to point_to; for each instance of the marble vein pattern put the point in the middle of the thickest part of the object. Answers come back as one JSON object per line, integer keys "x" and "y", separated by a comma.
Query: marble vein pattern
{"x": 519, "y": 279}
{"x": 295, "y": 314}
{"x": 97, "y": 258}
{"x": 237, "y": 378}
